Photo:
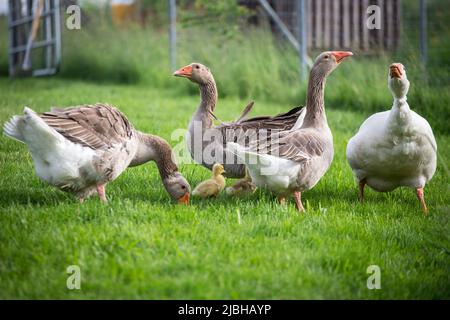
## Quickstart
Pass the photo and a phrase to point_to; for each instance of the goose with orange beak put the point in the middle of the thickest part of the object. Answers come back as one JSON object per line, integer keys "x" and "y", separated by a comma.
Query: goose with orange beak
{"x": 394, "y": 148}
{"x": 202, "y": 125}
{"x": 294, "y": 161}
{"x": 203, "y": 118}
{"x": 185, "y": 72}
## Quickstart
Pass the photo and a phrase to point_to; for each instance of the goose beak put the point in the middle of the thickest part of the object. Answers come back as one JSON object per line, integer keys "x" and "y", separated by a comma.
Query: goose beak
{"x": 184, "y": 199}
{"x": 185, "y": 72}
{"x": 395, "y": 71}
{"x": 340, "y": 55}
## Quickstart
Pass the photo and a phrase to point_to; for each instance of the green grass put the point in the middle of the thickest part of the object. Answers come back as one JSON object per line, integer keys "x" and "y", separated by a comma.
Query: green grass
{"x": 141, "y": 245}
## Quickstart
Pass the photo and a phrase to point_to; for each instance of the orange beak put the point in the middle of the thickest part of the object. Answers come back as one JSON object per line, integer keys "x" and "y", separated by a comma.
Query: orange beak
{"x": 340, "y": 55}
{"x": 184, "y": 199}
{"x": 185, "y": 72}
{"x": 395, "y": 71}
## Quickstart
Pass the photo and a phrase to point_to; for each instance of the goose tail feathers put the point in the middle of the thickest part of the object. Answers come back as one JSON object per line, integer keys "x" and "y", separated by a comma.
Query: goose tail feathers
{"x": 13, "y": 128}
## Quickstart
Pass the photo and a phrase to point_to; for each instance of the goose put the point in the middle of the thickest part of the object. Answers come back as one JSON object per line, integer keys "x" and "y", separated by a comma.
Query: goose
{"x": 206, "y": 142}
{"x": 394, "y": 148}
{"x": 80, "y": 149}
{"x": 293, "y": 161}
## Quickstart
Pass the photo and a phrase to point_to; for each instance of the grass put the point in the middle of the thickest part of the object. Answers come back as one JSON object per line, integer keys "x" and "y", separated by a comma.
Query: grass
{"x": 141, "y": 245}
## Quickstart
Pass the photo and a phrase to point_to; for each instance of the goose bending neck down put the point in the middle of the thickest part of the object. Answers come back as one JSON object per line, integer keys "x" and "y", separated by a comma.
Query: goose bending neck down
{"x": 81, "y": 149}
{"x": 154, "y": 148}
{"x": 394, "y": 148}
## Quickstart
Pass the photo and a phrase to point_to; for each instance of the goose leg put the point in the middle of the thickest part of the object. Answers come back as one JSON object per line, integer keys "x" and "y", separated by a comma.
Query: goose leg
{"x": 420, "y": 196}
{"x": 102, "y": 193}
{"x": 298, "y": 201}
{"x": 362, "y": 184}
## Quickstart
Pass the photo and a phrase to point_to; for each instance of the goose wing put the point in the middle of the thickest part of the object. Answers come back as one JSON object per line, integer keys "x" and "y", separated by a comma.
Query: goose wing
{"x": 282, "y": 121}
{"x": 244, "y": 131}
{"x": 95, "y": 126}
{"x": 298, "y": 146}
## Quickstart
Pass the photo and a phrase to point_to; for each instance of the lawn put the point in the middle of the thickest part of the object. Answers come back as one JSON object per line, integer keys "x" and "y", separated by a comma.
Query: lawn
{"x": 141, "y": 245}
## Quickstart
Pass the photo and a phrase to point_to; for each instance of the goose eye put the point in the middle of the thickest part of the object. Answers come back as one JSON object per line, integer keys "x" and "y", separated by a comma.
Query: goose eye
{"x": 326, "y": 57}
{"x": 197, "y": 66}
{"x": 183, "y": 187}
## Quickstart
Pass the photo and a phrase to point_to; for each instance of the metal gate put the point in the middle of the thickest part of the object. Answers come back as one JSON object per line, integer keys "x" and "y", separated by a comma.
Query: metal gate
{"x": 34, "y": 37}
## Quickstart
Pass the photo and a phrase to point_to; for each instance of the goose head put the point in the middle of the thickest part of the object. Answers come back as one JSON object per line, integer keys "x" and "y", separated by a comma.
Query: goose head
{"x": 178, "y": 187}
{"x": 196, "y": 72}
{"x": 397, "y": 81}
{"x": 327, "y": 61}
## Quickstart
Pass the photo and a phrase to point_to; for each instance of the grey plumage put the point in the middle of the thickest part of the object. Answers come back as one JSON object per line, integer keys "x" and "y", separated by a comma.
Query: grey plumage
{"x": 82, "y": 148}
{"x": 96, "y": 126}
{"x": 242, "y": 131}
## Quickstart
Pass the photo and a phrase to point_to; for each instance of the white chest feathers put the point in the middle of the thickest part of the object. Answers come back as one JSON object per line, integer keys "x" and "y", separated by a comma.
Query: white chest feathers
{"x": 393, "y": 148}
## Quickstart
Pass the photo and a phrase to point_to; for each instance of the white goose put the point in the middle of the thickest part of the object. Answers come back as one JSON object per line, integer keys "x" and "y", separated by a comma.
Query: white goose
{"x": 80, "y": 149}
{"x": 294, "y": 161}
{"x": 394, "y": 148}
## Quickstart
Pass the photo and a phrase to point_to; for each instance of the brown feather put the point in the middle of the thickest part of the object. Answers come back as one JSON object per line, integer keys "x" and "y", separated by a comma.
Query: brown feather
{"x": 95, "y": 126}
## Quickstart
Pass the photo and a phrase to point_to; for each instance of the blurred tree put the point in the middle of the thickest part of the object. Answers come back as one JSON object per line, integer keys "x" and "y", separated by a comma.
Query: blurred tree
{"x": 123, "y": 12}
{"x": 218, "y": 15}
{"x": 153, "y": 13}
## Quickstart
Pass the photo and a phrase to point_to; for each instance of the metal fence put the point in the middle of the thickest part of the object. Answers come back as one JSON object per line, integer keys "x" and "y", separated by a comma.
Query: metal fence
{"x": 326, "y": 24}
{"x": 342, "y": 24}
{"x": 312, "y": 25}
{"x": 34, "y": 37}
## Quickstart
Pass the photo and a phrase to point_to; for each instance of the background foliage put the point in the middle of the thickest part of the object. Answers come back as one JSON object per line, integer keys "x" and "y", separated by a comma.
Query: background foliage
{"x": 143, "y": 246}
{"x": 248, "y": 62}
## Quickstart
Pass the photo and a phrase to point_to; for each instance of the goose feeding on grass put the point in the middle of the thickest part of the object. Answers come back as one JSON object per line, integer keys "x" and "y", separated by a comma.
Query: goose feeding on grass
{"x": 394, "y": 148}
{"x": 295, "y": 160}
{"x": 201, "y": 124}
{"x": 81, "y": 149}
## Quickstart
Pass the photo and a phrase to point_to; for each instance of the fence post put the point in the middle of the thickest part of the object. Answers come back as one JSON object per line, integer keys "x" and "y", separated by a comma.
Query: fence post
{"x": 173, "y": 34}
{"x": 302, "y": 41}
{"x": 423, "y": 33}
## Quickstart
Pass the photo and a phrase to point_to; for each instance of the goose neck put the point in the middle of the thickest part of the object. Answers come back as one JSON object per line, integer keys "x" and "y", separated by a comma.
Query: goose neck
{"x": 154, "y": 148}
{"x": 208, "y": 93}
{"x": 400, "y": 114}
{"x": 315, "y": 103}
{"x": 400, "y": 102}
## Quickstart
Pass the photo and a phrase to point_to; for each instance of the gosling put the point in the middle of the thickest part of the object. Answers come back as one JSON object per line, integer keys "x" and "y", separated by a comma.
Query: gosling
{"x": 243, "y": 187}
{"x": 211, "y": 187}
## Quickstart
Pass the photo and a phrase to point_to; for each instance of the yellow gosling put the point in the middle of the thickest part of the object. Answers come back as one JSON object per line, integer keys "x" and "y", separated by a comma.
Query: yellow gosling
{"x": 211, "y": 187}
